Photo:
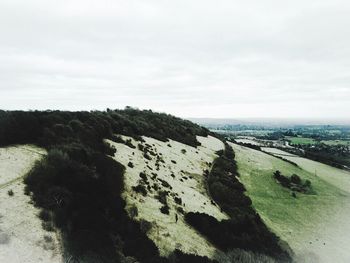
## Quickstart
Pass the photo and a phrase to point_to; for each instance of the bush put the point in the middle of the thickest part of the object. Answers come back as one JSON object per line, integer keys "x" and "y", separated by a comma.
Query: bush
{"x": 162, "y": 197}
{"x": 10, "y": 192}
{"x": 244, "y": 229}
{"x": 165, "y": 209}
{"x": 294, "y": 183}
{"x": 141, "y": 189}
{"x": 295, "y": 179}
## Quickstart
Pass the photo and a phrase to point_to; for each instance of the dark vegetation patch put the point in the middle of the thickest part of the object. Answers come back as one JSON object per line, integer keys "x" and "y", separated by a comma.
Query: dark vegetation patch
{"x": 47, "y": 128}
{"x": 165, "y": 209}
{"x": 179, "y": 257}
{"x": 128, "y": 142}
{"x": 244, "y": 229}
{"x": 79, "y": 186}
{"x": 140, "y": 188}
{"x": 143, "y": 176}
{"x": 10, "y": 192}
{"x": 165, "y": 183}
{"x": 178, "y": 200}
{"x": 162, "y": 197}
{"x": 334, "y": 155}
{"x": 293, "y": 182}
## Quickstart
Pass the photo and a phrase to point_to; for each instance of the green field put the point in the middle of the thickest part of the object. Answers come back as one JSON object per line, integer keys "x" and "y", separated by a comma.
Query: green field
{"x": 309, "y": 223}
{"x": 305, "y": 140}
{"x": 300, "y": 140}
{"x": 336, "y": 142}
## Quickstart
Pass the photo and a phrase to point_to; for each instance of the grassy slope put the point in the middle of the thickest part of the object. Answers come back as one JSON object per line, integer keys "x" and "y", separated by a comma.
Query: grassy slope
{"x": 22, "y": 238}
{"x": 337, "y": 177}
{"x": 166, "y": 232}
{"x": 297, "y": 221}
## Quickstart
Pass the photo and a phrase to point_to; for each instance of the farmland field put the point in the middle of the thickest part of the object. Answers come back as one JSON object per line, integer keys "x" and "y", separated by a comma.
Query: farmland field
{"x": 312, "y": 224}
{"x": 301, "y": 140}
{"x": 336, "y": 142}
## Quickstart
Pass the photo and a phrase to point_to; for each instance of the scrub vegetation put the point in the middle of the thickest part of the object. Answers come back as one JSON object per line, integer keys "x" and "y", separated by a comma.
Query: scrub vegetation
{"x": 244, "y": 229}
{"x": 79, "y": 186}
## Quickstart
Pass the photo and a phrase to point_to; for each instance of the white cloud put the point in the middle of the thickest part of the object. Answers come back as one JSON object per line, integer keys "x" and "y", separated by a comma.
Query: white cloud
{"x": 191, "y": 58}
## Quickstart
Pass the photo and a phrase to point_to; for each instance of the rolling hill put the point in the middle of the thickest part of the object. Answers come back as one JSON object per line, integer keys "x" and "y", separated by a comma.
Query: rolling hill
{"x": 135, "y": 186}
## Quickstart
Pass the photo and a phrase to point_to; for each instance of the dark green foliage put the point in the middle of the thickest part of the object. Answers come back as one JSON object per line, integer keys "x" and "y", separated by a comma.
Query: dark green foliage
{"x": 147, "y": 156}
{"x": 48, "y": 226}
{"x": 79, "y": 186}
{"x": 48, "y": 128}
{"x": 140, "y": 147}
{"x": 129, "y": 143}
{"x": 165, "y": 209}
{"x": 295, "y": 179}
{"x": 179, "y": 257}
{"x": 10, "y": 192}
{"x": 130, "y": 164}
{"x": 165, "y": 183}
{"x": 81, "y": 199}
{"x": 178, "y": 200}
{"x": 141, "y": 189}
{"x": 244, "y": 229}
{"x": 294, "y": 182}
{"x": 143, "y": 176}
{"x": 162, "y": 197}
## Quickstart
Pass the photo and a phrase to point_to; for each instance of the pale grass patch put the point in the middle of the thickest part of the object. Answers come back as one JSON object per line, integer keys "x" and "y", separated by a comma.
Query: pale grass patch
{"x": 23, "y": 238}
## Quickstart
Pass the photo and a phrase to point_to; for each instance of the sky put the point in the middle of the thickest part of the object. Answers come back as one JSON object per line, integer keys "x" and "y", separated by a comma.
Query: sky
{"x": 190, "y": 58}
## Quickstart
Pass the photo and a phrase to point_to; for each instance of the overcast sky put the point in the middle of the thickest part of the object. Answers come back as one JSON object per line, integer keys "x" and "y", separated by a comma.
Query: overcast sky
{"x": 253, "y": 58}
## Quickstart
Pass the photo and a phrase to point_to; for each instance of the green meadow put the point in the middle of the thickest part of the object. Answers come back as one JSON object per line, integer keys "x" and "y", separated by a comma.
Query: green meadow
{"x": 300, "y": 221}
{"x": 301, "y": 140}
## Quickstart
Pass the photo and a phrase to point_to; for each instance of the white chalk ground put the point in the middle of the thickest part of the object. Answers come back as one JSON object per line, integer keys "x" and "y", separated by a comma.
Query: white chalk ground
{"x": 335, "y": 230}
{"x": 187, "y": 183}
{"x": 22, "y": 239}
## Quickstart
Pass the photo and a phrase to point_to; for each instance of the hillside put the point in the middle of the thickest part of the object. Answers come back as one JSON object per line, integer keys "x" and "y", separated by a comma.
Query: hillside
{"x": 315, "y": 225}
{"x": 22, "y": 237}
{"x": 176, "y": 169}
{"x": 129, "y": 185}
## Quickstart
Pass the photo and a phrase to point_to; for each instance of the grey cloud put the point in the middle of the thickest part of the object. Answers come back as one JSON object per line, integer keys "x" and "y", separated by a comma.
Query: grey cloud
{"x": 190, "y": 58}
